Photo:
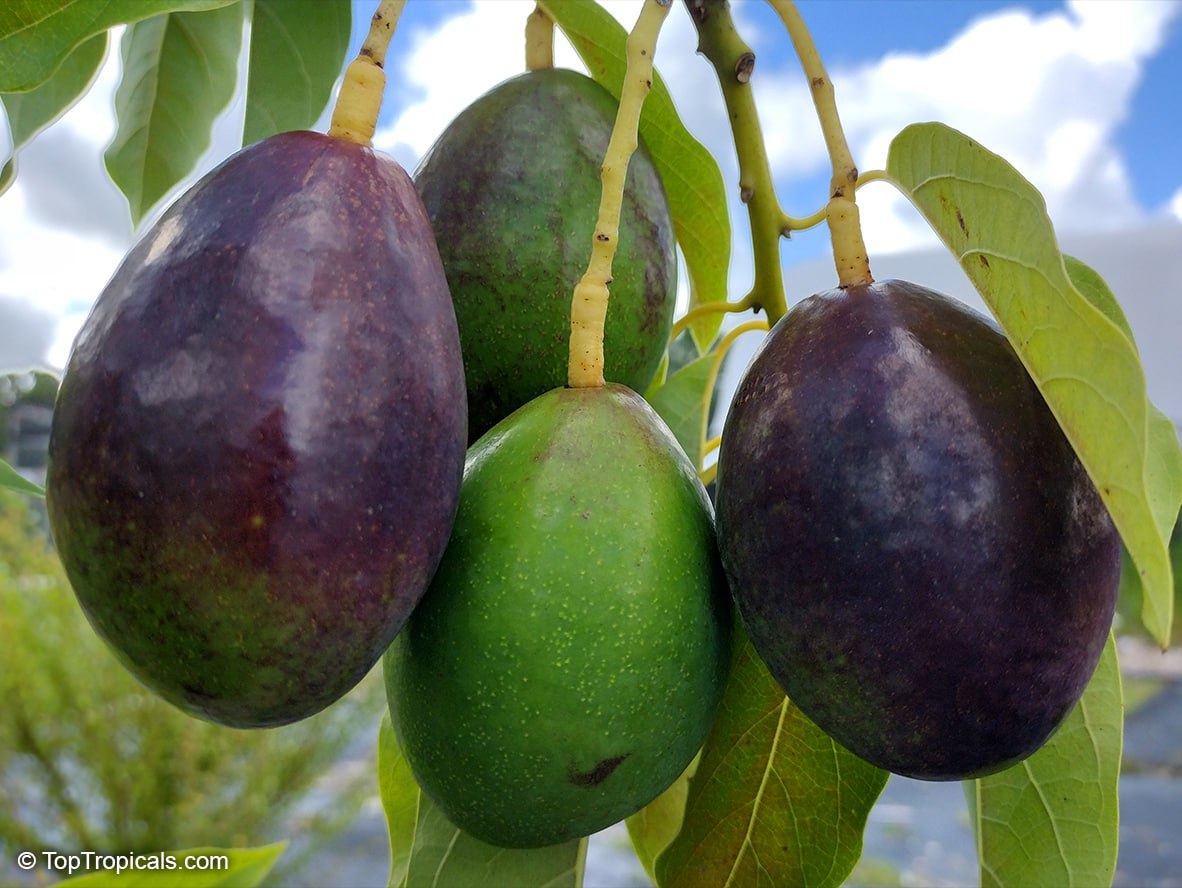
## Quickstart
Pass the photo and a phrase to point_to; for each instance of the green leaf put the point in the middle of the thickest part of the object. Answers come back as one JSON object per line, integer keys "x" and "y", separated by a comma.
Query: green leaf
{"x": 1054, "y": 818}
{"x": 31, "y": 112}
{"x": 13, "y": 480}
{"x": 657, "y": 824}
{"x": 179, "y": 72}
{"x": 247, "y": 868}
{"x": 427, "y": 850}
{"x": 774, "y": 800}
{"x": 1076, "y": 350}
{"x": 683, "y": 401}
{"x": 297, "y": 51}
{"x": 400, "y": 800}
{"x": 37, "y": 35}
{"x": 693, "y": 182}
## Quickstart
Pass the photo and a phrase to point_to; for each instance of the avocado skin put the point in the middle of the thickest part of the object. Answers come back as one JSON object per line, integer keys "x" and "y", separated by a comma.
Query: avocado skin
{"x": 567, "y": 661}
{"x": 512, "y": 188}
{"x": 257, "y": 448}
{"x": 915, "y": 550}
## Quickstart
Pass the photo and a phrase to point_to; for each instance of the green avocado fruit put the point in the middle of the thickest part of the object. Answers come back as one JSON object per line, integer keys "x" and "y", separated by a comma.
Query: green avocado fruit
{"x": 512, "y": 188}
{"x": 916, "y": 552}
{"x": 567, "y": 660}
{"x": 258, "y": 444}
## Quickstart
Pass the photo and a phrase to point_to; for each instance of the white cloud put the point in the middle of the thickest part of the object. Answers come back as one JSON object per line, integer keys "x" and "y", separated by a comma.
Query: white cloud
{"x": 1047, "y": 92}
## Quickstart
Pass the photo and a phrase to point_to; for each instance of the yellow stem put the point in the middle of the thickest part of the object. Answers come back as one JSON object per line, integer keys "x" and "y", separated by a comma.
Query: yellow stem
{"x": 849, "y": 250}
{"x": 539, "y": 41}
{"x": 589, "y": 302}
{"x": 355, "y": 115}
{"x": 803, "y": 223}
{"x": 712, "y": 379}
{"x": 708, "y": 308}
{"x": 873, "y": 176}
{"x": 708, "y": 474}
{"x": 711, "y": 445}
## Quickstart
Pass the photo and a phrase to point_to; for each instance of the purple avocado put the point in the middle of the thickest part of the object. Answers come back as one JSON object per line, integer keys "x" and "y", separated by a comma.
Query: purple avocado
{"x": 259, "y": 440}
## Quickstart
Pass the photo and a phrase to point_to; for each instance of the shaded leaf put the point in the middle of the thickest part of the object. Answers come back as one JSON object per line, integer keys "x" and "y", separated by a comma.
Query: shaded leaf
{"x": 1054, "y": 818}
{"x": 693, "y": 181}
{"x": 179, "y": 72}
{"x": 427, "y": 850}
{"x": 297, "y": 51}
{"x": 31, "y": 112}
{"x": 657, "y": 824}
{"x": 1079, "y": 355}
{"x": 774, "y": 800}
{"x": 13, "y": 480}
{"x": 247, "y": 868}
{"x": 37, "y": 35}
{"x": 683, "y": 402}
{"x": 400, "y": 801}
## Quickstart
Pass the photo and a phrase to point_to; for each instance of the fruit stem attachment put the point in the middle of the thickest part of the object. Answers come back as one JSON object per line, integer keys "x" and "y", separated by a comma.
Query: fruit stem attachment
{"x": 539, "y": 41}
{"x": 734, "y": 64}
{"x": 589, "y": 302}
{"x": 355, "y": 115}
{"x": 845, "y": 229}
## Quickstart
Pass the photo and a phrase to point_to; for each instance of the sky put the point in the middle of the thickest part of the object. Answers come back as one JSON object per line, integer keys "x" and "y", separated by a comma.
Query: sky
{"x": 1080, "y": 96}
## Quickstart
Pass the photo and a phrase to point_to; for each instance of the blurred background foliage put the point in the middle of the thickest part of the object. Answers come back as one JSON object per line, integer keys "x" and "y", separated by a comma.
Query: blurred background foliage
{"x": 91, "y": 760}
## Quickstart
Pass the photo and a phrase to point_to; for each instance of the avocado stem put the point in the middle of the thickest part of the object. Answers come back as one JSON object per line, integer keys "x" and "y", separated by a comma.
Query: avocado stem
{"x": 539, "y": 41}
{"x": 845, "y": 229}
{"x": 724, "y": 346}
{"x": 708, "y": 308}
{"x": 734, "y": 63}
{"x": 355, "y": 115}
{"x": 589, "y": 301}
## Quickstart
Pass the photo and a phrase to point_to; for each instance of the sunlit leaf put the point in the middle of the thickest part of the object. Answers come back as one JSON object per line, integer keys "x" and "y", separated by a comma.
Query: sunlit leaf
{"x": 37, "y": 35}
{"x": 427, "y": 850}
{"x": 179, "y": 72}
{"x": 400, "y": 801}
{"x": 246, "y": 868}
{"x": 774, "y": 800}
{"x": 297, "y": 51}
{"x": 683, "y": 402}
{"x": 1081, "y": 358}
{"x": 693, "y": 181}
{"x": 31, "y": 112}
{"x": 1054, "y": 818}
{"x": 657, "y": 824}
{"x": 13, "y": 480}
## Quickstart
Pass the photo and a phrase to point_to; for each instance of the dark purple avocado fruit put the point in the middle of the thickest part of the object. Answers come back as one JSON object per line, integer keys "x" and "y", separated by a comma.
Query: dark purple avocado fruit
{"x": 916, "y": 552}
{"x": 259, "y": 439}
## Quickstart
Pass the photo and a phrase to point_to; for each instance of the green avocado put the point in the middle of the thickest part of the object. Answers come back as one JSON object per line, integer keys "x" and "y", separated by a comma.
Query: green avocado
{"x": 567, "y": 660}
{"x": 512, "y": 189}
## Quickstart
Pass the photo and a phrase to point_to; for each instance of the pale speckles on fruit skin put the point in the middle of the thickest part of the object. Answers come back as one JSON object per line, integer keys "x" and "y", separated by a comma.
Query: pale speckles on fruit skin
{"x": 506, "y": 187}
{"x": 604, "y": 662}
{"x": 244, "y": 419}
{"x": 947, "y": 546}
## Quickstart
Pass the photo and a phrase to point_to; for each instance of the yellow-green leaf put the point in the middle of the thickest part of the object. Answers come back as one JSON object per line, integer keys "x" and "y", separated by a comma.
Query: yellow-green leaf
{"x": 245, "y": 868}
{"x": 37, "y": 35}
{"x": 657, "y": 824}
{"x": 179, "y": 72}
{"x": 400, "y": 801}
{"x": 31, "y": 112}
{"x": 693, "y": 181}
{"x": 1054, "y": 818}
{"x": 683, "y": 402}
{"x": 774, "y": 800}
{"x": 297, "y": 51}
{"x": 427, "y": 850}
{"x": 1079, "y": 355}
{"x": 13, "y": 480}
